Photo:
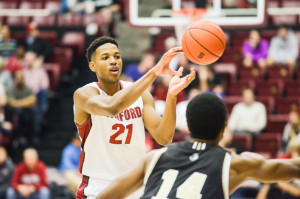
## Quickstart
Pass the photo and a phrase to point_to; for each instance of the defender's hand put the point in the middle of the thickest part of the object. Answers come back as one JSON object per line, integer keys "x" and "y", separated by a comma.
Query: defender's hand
{"x": 177, "y": 84}
{"x": 162, "y": 67}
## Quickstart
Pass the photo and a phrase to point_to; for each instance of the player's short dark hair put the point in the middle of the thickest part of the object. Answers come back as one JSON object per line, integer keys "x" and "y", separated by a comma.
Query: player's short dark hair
{"x": 206, "y": 116}
{"x": 98, "y": 42}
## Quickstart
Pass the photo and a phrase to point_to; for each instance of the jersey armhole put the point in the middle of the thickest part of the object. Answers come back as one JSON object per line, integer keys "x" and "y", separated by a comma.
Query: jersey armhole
{"x": 225, "y": 174}
{"x": 153, "y": 163}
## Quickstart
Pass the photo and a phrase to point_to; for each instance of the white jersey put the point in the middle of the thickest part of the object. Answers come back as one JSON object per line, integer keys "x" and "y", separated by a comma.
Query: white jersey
{"x": 111, "y": 146}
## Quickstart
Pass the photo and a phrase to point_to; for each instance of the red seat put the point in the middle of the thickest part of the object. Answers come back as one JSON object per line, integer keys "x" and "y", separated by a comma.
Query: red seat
{"x": 226, "y": 68}
{"x": 76, "y": 40}
{"x": 243, "y": 139}
{"x": 8, "y": 4}
{"x": 50, "y": 36}
{"x": 69, "y": 19}
{"x": 53, "y": 71}
{"x": 284, "y": 19}
{"x": 230, "y": 101}
{"x": 31, "y": 5}
{"x": 287, "y": 104}
{"x": 279, "y": 73}
{"x": 292, "y": 89}
{"x": 45, "y": 21}
{"x": 268, "y": 142}
{"x": 178, "y": 137}
{"x": 250, "y": 73}
{"x": 17, "y": 20}
{"x": 236, "y": 88}
{"x": 286, "y": 3}
{"x": 54, "y": 6}
{"x": 62, "y": 56}
{"x": 276, "y": 123}
{"x": 269, "y": 88}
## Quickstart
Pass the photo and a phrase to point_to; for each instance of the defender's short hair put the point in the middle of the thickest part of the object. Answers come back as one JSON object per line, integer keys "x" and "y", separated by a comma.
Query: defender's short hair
{"x": 206, "y": 116}
{"x": 98, "y": 42}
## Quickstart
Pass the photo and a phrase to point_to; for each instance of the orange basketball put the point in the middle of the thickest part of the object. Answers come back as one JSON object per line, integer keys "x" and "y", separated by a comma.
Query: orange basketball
{"x": 203, "y": 42}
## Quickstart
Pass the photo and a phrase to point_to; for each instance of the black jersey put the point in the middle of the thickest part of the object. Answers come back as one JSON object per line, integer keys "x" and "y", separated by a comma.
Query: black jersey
{"x": 188, "y": 170}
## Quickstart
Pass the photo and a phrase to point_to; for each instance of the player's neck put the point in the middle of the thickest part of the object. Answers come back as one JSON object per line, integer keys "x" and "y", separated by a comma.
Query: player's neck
{"x": 211, "y": 142}
{"x": 110, "y": 88}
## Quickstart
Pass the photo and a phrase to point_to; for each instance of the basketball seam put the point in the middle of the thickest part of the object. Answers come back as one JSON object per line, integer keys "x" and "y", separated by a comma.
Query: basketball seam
{"x": 202, "y": 46}
{"x": 210, "y": 33}
{"x": 189, "y": 50}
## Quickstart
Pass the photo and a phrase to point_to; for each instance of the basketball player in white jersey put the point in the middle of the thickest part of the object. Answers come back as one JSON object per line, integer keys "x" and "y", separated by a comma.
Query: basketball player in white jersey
{"x": 199, "y": 168}
{"x": 111, "y": 114}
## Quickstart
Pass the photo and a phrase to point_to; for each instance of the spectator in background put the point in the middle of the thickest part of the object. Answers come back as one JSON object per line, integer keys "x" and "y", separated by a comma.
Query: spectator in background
{"x": 228, "y": 143}
{"x": 5, "y": 76}
{"x": 248, "y": 116}
{"x": 284, "y": 48}
{"x": 69, "y": 164}
{"x": 5, "y": 126}
{"x": 16, "y": 62}
{"x": 255, "y": 50}
{"x": 136, "y": 71}
{"x": 284, "y": 190}
{"x": 21, "y": 109}
{"x": 7, "y": 168}
{"x": 291, "y": 129}
{"x": 169, "y": 43}
{"x": 36, "y": 78}
{"x": 7, "y": 44}
{"x": 29, "y": 179}
{"x": 36, "y": 44}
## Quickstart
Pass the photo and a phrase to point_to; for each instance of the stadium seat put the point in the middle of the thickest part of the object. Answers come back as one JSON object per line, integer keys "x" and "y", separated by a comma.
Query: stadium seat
{"x": 226, "y": 68}
{"x": 276, "y": 123}
{"x": 45, "y": 21}
{"x": 8, "y": 4}
{"x": 269, "y": 88}
{"x": 62, "y": 56}
{"x": 31, "y": 5}
{"x": 76, "y": 40}
{"x": 243, "y": 139}
{"x": 53, "y": 71}
{"x": 230, "y": 101}
{"x": 250, "y": 73}
{"x": 69, "y": 19}
{"x": 292, "y": 89}
{"x": 236, "y": 88}
{"x": 279, "y": 73}
{"x": 50, "y": 36}
{"x": 285, "y": 19}
{"x": 54, "y": 6}
{"x": 286, "y": 3}
{"x": 287, "y": 104}
{"x": 268, "y": 142}
{"x": 17, "y": 20}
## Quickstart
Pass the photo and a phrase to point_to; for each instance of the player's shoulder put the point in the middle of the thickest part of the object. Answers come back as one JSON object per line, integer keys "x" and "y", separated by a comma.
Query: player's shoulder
{"x": 87, "y": 90}
{"x": 246, "y": 160}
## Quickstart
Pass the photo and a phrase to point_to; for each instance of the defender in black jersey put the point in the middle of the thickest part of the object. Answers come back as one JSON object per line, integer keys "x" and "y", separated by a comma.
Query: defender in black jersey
{"x": 199, "y": 168}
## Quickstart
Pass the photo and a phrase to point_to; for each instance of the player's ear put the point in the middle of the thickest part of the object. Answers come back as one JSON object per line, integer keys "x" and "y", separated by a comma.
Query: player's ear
{"x": 92, "y": 66}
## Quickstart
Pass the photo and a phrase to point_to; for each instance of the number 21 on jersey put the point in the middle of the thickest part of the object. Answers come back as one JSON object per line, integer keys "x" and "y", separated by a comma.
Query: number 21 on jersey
{"x": 190, "y": 188}
{"x": 121, "y": 129}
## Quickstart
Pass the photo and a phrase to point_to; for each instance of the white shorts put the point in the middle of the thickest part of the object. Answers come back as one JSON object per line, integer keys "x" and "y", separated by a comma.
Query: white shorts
{"x": 91, "y": 187}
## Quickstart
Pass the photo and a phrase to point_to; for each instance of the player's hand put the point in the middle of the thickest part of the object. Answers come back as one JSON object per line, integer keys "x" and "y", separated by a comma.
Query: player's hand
{"x": 177, "y": 84}
{"x": 162, "y": 67}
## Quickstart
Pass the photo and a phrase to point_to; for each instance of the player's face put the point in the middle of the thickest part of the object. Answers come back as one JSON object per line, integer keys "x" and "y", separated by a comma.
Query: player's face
{"x": 107, "y": 63}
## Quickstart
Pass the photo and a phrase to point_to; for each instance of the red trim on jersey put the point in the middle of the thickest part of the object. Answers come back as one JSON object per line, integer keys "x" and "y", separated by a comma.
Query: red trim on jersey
{"x": 84, "y": 131}
{"x": 82, "y": 186}
{"x": 121, "y": 85}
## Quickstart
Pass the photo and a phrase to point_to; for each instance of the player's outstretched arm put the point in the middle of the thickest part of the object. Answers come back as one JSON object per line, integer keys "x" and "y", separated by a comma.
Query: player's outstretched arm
{"x": 92, "y": 103}
{"x": 254, "y": 166}
{"x": 129, "y": 182}
{"x": 162, "y": 129}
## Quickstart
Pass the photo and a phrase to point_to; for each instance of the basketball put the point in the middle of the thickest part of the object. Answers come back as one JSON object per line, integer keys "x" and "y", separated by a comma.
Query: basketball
{"x": 203, "y": 42}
